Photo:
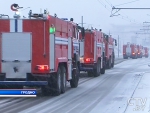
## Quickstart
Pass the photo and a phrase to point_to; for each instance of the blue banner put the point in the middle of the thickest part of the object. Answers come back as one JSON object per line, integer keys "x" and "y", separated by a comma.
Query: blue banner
{"x": 18, "y": 92}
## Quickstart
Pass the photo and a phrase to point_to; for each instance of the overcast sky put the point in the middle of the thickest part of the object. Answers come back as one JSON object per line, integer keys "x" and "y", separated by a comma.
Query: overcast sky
{"x": 96, "y": 13}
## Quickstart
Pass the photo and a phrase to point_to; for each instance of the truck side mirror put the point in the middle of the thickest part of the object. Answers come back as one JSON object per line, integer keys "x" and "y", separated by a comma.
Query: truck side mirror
{"x": 82, "y": 31}
{"x": 115, "y": 42}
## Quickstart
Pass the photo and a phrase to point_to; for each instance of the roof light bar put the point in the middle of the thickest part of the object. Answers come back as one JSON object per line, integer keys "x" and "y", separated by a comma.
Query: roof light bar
{"x": 36, "y": 15}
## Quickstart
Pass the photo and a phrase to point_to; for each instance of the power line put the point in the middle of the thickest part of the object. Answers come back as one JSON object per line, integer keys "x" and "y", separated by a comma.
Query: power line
{"x": 126, "y": 8}
{"x": 130, "y": 8}
{"x": 109, "y": 3}
{"x": 122, "y": 17}
{"x": 103, "y": 5}
{"x": 128, "y": 2}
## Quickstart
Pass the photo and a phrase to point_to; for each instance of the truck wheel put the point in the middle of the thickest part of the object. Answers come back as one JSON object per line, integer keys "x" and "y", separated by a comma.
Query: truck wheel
{"x": 57, "y": 82}
{"x": 63, "y": 79}
{"x": 109, "y": 64}
{"x": 75, "y": 78}
{"x": 50, "y": 88}
{"x": 97, "y": 69}
{"x": 112, "y": 64}
{"x": 103, "y": 70}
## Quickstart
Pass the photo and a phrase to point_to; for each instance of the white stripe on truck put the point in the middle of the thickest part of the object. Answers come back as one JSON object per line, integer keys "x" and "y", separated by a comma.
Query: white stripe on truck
{"x": 16, "y": 25}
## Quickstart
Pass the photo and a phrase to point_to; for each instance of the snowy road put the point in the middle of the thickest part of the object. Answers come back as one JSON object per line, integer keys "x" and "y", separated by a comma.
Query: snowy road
{"x": 108, "y": 93}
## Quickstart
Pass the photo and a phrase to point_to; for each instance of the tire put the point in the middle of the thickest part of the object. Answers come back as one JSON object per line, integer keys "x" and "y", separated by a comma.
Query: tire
{"x": 75, "y": 78}
{"x": 103, "y": 69}
{"x": 54, "y": 84}
{"x": 47, "y": 90}
{"x": 97, "y": 69}
{"x": 112, "y": 64}
{"x": 57, "y": 83}
{"x": 63, "y": 79}
{"x": 109, "y": 64}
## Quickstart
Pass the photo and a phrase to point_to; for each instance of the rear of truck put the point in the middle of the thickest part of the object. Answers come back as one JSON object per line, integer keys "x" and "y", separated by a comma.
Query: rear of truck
{"x": 87, "y": 49}
{"x": 126, "y": 51}
{"x": 133, "y": 51}
{"x": 90, "y": 52}
{"x": 22, "y": 60}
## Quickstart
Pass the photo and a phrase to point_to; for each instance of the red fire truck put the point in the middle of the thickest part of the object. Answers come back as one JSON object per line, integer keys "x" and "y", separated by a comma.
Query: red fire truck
{"x": 109, "y": 50}
{"x": 92, "y": 56}
{"x": 139, "y": 48}
{"x": 129, "y": 51}
{"x": 39, "y": 51}
{"x": 146, "y": 50}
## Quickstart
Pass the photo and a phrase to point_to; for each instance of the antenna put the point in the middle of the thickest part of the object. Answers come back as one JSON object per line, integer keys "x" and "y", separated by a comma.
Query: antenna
{"x": 40, "y": 10}
{"x": 109, "y": 32}
{"x": 46, "y": 11}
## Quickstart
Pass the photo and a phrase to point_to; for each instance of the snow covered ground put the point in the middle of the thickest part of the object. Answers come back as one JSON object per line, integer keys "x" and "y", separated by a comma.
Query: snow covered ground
{"x": 131, "y": 95}
{"x": 141, "y": 96}
{"x": 108, "y": 93}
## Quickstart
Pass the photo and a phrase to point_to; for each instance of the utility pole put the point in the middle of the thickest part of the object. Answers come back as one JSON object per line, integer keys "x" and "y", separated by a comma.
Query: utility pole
{"x": 82, "y": 21}
{"x": 118, "y": 46}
